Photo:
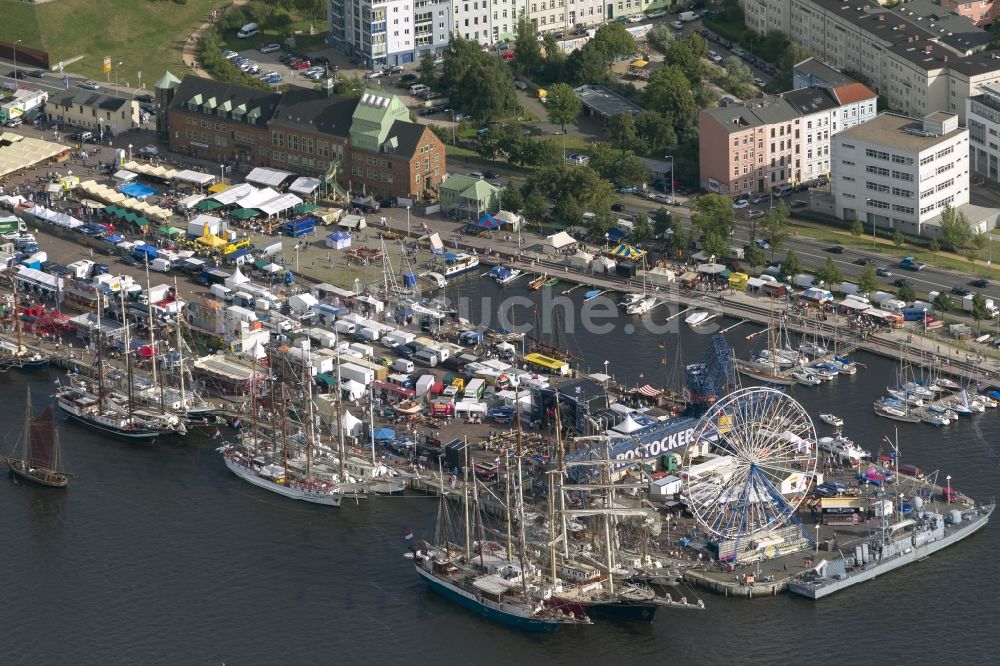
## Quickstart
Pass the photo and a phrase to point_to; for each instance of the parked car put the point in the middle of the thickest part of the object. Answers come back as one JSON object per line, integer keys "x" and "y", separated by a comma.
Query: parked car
{"x": 489, "y": 173}
{"x": 759, "y": 82}
{"x": 740, "y": 203}
{"x": 89, "y": 85}
{"x": 754, "y": 214}
{"x": 799, "y": 203}
{"x": 520, "y": 85}
{"x": 270, "y": 47}
{"x": 396, "y": 69}
{"x": 617, "y": 207}
{"x": 762, "y": 244}
{"x": 660, "y": 198}
{"x": 145, "y": 98}
{"x": 37, "y": 73}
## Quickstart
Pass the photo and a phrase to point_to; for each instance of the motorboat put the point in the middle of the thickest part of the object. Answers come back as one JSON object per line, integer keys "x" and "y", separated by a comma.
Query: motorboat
{"x": 641, "y": 307}
{"x": 504, "y": 275}
{"x": 806, "y": 378}
{"x": 821, "y": 371}
{"x": 987, "y": 401}
{"x": 832, "y": 419}
{"x": 456, "y": 263}
{"x": 629, "y": 299}
{"x": 935, "y": 419}
{"x": 943, "y": 411}
{"x": 782, "y": 360}
{"x": 843, "y": 447}
{"x": 697, "y": 318}
{"x": 844, "y": 366}
{"x": 958, "y": 407}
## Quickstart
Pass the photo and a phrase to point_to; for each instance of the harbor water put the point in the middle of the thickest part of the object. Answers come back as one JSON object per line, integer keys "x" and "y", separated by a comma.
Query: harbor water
{"x": 160, "y": 555}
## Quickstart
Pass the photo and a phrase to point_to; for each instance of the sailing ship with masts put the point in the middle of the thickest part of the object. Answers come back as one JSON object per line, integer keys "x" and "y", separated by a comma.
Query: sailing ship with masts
{"x": 37, "y": 458}
{"x": 20, "y": 356}
{"x": 272, "y": 457}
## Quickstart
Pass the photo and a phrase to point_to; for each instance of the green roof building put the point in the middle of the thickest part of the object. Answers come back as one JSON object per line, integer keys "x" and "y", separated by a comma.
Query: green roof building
{"x": 467, "y": 197}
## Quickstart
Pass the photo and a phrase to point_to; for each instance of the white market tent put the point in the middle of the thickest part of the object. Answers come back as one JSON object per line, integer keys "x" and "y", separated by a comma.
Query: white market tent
{"x": 353, "y": 222}
{"x": 21, "y": 152}
{"x": 304, "y": 185}
{"x": 255, "y": 198}
{"x": 194, "y": 177}
{"x": 560, "y": 241}
{"x": 125, "y": 176}
{"x": 268, "y": 177}
{"x": 236, "y": 279}
{"x": 190, "y": 201}
{"x": 581, "y": 259}
{"x": 711, "y": 269}
{"x": 151, "y": 170}
{"x": 230, "y": 196}
{"x": 102, "y": 192}
{"x": 628, "y": 425}
{"x": 278, "y": 204}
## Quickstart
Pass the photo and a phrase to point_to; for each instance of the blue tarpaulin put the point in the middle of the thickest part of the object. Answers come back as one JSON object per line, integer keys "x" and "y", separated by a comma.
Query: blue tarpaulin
{"x": 385, "y": 433}
{"x": 114, "y": 239}
{"x": 137, "y": 190}
{"x": 409, "y": 280}
{"x": 615, "y": 234}
{"x": 148, "y": 250}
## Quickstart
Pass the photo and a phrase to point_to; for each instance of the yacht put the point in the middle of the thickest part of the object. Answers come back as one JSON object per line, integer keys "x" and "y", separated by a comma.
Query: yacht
{"x": 504, "y": 275}
{"x": 832, "y": 419}
{"x": 456, "y": 263}
{"x": 843, "y": 447}
{"x": 806, "y": 378}
{"x": 642, "y": 306}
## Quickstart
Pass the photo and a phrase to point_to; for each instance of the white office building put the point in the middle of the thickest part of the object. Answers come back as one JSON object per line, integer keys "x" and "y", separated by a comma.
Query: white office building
{"x": 982, "y": 114}
{"x": 380, "y": 33}
{"x": 900, "y": 173}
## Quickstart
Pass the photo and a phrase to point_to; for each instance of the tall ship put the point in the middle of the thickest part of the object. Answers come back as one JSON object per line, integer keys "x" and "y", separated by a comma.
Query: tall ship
{"x": 18, "y": 355}
{"x": 893, "y": 546}
{"x": 37, "y": 458}
{"x": 269, "y": 463}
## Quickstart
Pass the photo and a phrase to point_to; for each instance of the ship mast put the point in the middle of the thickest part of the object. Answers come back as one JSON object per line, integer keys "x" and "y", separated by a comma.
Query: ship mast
{"x": 128, "y": 352}
{"x": 152, "y": 332}
{"x": 520, "y": 503}
{"x": 253, "y": 407}
{"x": 309, "y": 431}
{"x": 27, "y": 430}
{"x": 97, "y": 348}
{"x": 465, "y": 501}
{"x": 17, "y": 316}
{"x": 561, "y": 461}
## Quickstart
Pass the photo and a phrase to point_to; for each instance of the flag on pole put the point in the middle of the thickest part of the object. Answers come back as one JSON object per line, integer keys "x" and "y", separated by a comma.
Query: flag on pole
{"x": 56, "y": 382}
{"x": 663, "y": 345}
{"x": 237, "y": 424}
{"x": 217, "y": 434}
{"x": 408, "y": 536}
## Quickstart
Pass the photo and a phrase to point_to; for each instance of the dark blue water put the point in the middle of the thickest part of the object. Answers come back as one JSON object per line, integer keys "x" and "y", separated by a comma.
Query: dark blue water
{"x": 160, "y": 555}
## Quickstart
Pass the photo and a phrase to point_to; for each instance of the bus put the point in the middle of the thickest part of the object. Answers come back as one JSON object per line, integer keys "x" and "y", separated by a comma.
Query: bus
{"x": 301, "y": 227}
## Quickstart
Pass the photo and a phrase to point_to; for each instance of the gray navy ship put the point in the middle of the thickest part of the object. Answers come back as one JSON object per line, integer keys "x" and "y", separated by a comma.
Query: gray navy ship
{"x": 895, "y": 545}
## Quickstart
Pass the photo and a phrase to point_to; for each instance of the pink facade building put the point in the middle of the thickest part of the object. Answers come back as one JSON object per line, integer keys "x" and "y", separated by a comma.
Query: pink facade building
{"x": 980, "y": 12}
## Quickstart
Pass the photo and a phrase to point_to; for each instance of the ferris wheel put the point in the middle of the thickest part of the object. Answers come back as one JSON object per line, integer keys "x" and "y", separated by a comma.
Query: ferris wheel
{"x": 765, "y": 444}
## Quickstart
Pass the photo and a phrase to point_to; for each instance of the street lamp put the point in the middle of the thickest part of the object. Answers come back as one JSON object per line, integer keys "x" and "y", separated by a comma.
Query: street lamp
{"x": 947, "y": 497}
{"x": 408, "y": 221}
{"x": 222, "y": 174}
{"x": 606, "y": 363}
{"x": 15, "y": 60}
{"x": 130, "y": 152}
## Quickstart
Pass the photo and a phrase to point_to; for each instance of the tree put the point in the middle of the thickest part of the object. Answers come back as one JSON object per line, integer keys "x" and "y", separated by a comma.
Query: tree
{"x": 687, "y": 55}
{"x": 739, "y": 78}
{"x": 979, "y": 310}
{"x": 655, "y": 131}
{"x": 791, "y": 265}
{"x": 526, "y": 47}
{"x": 567, "y": 210}
{"x": 941, "y": 302}
{"x": 586, "y": 66}
{"x": 670, "y": 93}
{"x": 662, "y": 220}
{"x": 459, "y": 57}
{"x": 427, "y": 70}
{"x": 713, "y": 213}
{"x": 754, "y": 257}
{"x": 493, "y": 142}
{"x": 511, "y": 199}
{"x": 613, "y": 42}
{"x": 829, "y": 273}
{"x": 979, "y": 242}
{"x": 631, "y": 171}
{"x": 715, "y": 244}
{"x": 604, "y": 159}
{"x": 955, "y": 230}
{"x": 775, "y": 227}
{"x": 660, "y": 37}
{"x": 934, "y": 246}
{"x": 620, "y": 131}
{"x": 535, "y": 206}
{"x": 857, "y": 229}
{"x": 897, "y": 238}
{"x": 907, "y": 293}
{"x": 867, "y": 280}
{"x": 562, "y": 105}
{"x": 487, "y": 91}
{"x": 543, "y": 153}
{"x": 642, "y": 231}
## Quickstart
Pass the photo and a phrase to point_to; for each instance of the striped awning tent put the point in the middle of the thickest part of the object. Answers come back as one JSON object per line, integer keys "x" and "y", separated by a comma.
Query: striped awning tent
{"x": 648, "y": 391}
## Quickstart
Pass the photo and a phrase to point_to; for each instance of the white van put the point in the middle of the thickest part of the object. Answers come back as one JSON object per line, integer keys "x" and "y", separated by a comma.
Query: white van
{"x": 222, "y": 292}
{"x": 249, "y": 30}
{"x": 403, "y": 365}
{"x": 418, "y": 89}
{"x": 426, "y": 357}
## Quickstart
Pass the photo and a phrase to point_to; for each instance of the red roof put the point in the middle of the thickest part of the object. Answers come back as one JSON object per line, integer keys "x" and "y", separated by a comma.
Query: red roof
{"x": 853, "y": 92}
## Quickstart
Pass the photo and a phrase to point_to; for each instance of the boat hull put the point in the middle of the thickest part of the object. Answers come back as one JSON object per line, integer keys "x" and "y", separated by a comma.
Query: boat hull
{"x": 631, "y": 611}
{"x": 281, "y": 489}
{"x": 815, "y": 591}
{"x": 44, "y": 477}
{"x": 468, "y": 600}
{"x": 133, "y": 435}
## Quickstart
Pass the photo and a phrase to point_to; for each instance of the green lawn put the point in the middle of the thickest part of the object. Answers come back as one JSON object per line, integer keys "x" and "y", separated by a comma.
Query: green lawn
{"x": 144, "y": 35}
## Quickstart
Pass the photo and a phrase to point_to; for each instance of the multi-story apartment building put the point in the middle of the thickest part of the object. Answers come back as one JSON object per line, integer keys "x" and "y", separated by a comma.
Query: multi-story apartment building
{"x": 900, "y": 173}
{"x": 980, "y": 12}
{"x": 749, "y": 148}
{"x": 797, "y": 126}
{"x": 916, "y": 55}
{"x": 388, "y": 32}
{"x": 367, "y": 143}
{"x": 982, "y": 117}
